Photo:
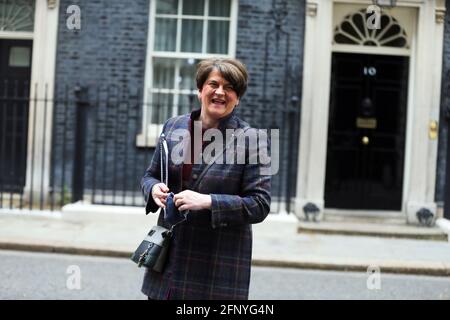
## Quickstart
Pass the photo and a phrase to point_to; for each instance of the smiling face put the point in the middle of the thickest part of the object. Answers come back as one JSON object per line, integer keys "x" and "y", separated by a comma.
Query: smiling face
{"x": 217, "y": 96}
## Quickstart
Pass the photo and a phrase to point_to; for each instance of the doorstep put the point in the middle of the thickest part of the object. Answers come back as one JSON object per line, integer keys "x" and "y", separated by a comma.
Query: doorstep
{"x": 363, "y": 226}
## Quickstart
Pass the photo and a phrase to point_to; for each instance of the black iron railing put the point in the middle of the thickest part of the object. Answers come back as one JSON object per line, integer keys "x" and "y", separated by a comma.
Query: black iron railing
{"x": 91, "y": 144}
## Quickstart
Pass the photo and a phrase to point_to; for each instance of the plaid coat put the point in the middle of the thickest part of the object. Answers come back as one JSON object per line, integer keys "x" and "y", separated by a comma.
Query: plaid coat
{"x": 210, "y": 254}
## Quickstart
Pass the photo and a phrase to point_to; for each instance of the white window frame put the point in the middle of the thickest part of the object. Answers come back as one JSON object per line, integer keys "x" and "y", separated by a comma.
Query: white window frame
{"x": 150, "y": 131}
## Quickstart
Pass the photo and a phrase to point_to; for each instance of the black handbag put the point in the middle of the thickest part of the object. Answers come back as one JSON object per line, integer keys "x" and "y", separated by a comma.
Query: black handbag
{"x": 152, "y": 251}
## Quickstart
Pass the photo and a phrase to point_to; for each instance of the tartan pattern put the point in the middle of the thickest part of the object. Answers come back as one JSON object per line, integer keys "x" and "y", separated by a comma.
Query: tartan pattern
{"x": 210, "y": 254}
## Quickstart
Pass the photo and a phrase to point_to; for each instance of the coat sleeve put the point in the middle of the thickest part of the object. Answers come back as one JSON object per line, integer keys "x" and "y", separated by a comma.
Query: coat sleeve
{"x": 151, "y": 177}
{"x": 252, "y": 205}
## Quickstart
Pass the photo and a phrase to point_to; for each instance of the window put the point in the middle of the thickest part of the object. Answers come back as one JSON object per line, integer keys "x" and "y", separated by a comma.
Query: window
{"x": 19, "y": 57}
{"x": 353, "y": 31}
{"x": 181, "y": 33}
{"x": 17, "y": 15}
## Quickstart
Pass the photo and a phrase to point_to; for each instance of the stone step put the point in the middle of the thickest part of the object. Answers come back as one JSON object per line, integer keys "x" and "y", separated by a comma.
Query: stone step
{"x": 388, "y": 228}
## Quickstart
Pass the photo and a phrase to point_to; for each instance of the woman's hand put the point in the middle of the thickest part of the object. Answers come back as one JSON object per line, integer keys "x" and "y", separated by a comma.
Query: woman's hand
{"x": 159, "y": 194}
{"x": 191, "y": 200}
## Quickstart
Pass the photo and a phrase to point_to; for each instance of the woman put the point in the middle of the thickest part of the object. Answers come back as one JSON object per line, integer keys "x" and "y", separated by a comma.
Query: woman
{"x": 210, "y": 253}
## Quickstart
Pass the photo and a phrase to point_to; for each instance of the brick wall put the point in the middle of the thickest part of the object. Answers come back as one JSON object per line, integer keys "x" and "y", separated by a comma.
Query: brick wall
{"x": 107, "y": 54}
{"x": 110, "y": 49}
{"x": 274, "y": 57}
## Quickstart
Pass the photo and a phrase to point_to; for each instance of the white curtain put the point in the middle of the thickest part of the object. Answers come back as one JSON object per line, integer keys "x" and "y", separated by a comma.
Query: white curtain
{"x": 191, "y": 35}
{"x": 194, "y": 7}
{"x": 218, "y": 33}
{"x": 167, "y": 6}
{"x": 219, "y": 8}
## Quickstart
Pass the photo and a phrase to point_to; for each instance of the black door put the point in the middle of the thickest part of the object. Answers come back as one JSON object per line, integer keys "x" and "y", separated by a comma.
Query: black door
{"x": 15, "y": 73}
{"x": 366, "y": 132}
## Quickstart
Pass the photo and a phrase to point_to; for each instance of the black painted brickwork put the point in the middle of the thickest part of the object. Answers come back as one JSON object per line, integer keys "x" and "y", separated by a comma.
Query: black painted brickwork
{"x": 110, "y": 50}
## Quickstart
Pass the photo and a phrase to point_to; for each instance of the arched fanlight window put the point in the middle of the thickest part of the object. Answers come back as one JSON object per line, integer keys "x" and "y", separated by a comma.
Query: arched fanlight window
{"x": 17, "y": 15}
{"x": 353, "y": 30}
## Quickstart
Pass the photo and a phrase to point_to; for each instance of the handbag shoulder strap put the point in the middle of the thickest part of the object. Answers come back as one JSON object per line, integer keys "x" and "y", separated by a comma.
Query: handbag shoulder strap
{"x": 164, "y": 148}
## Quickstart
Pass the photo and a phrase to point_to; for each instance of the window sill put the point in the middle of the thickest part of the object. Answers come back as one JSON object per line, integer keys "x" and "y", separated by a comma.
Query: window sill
{"x": 150, "y": 138}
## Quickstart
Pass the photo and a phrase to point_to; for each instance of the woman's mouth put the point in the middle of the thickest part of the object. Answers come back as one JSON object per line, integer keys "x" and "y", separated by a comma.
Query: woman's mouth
{"x": 218, "y": 102}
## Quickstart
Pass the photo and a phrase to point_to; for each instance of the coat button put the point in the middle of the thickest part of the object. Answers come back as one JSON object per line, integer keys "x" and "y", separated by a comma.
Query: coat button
{"x": 194, "y": 176}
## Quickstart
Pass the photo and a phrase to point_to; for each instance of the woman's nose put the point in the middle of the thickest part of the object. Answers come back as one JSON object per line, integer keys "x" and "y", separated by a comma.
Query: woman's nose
{"x": 220, "y": 90}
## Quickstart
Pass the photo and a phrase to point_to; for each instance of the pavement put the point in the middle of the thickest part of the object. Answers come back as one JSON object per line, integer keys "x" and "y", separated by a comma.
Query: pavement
{"x": 278, "y": 241}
